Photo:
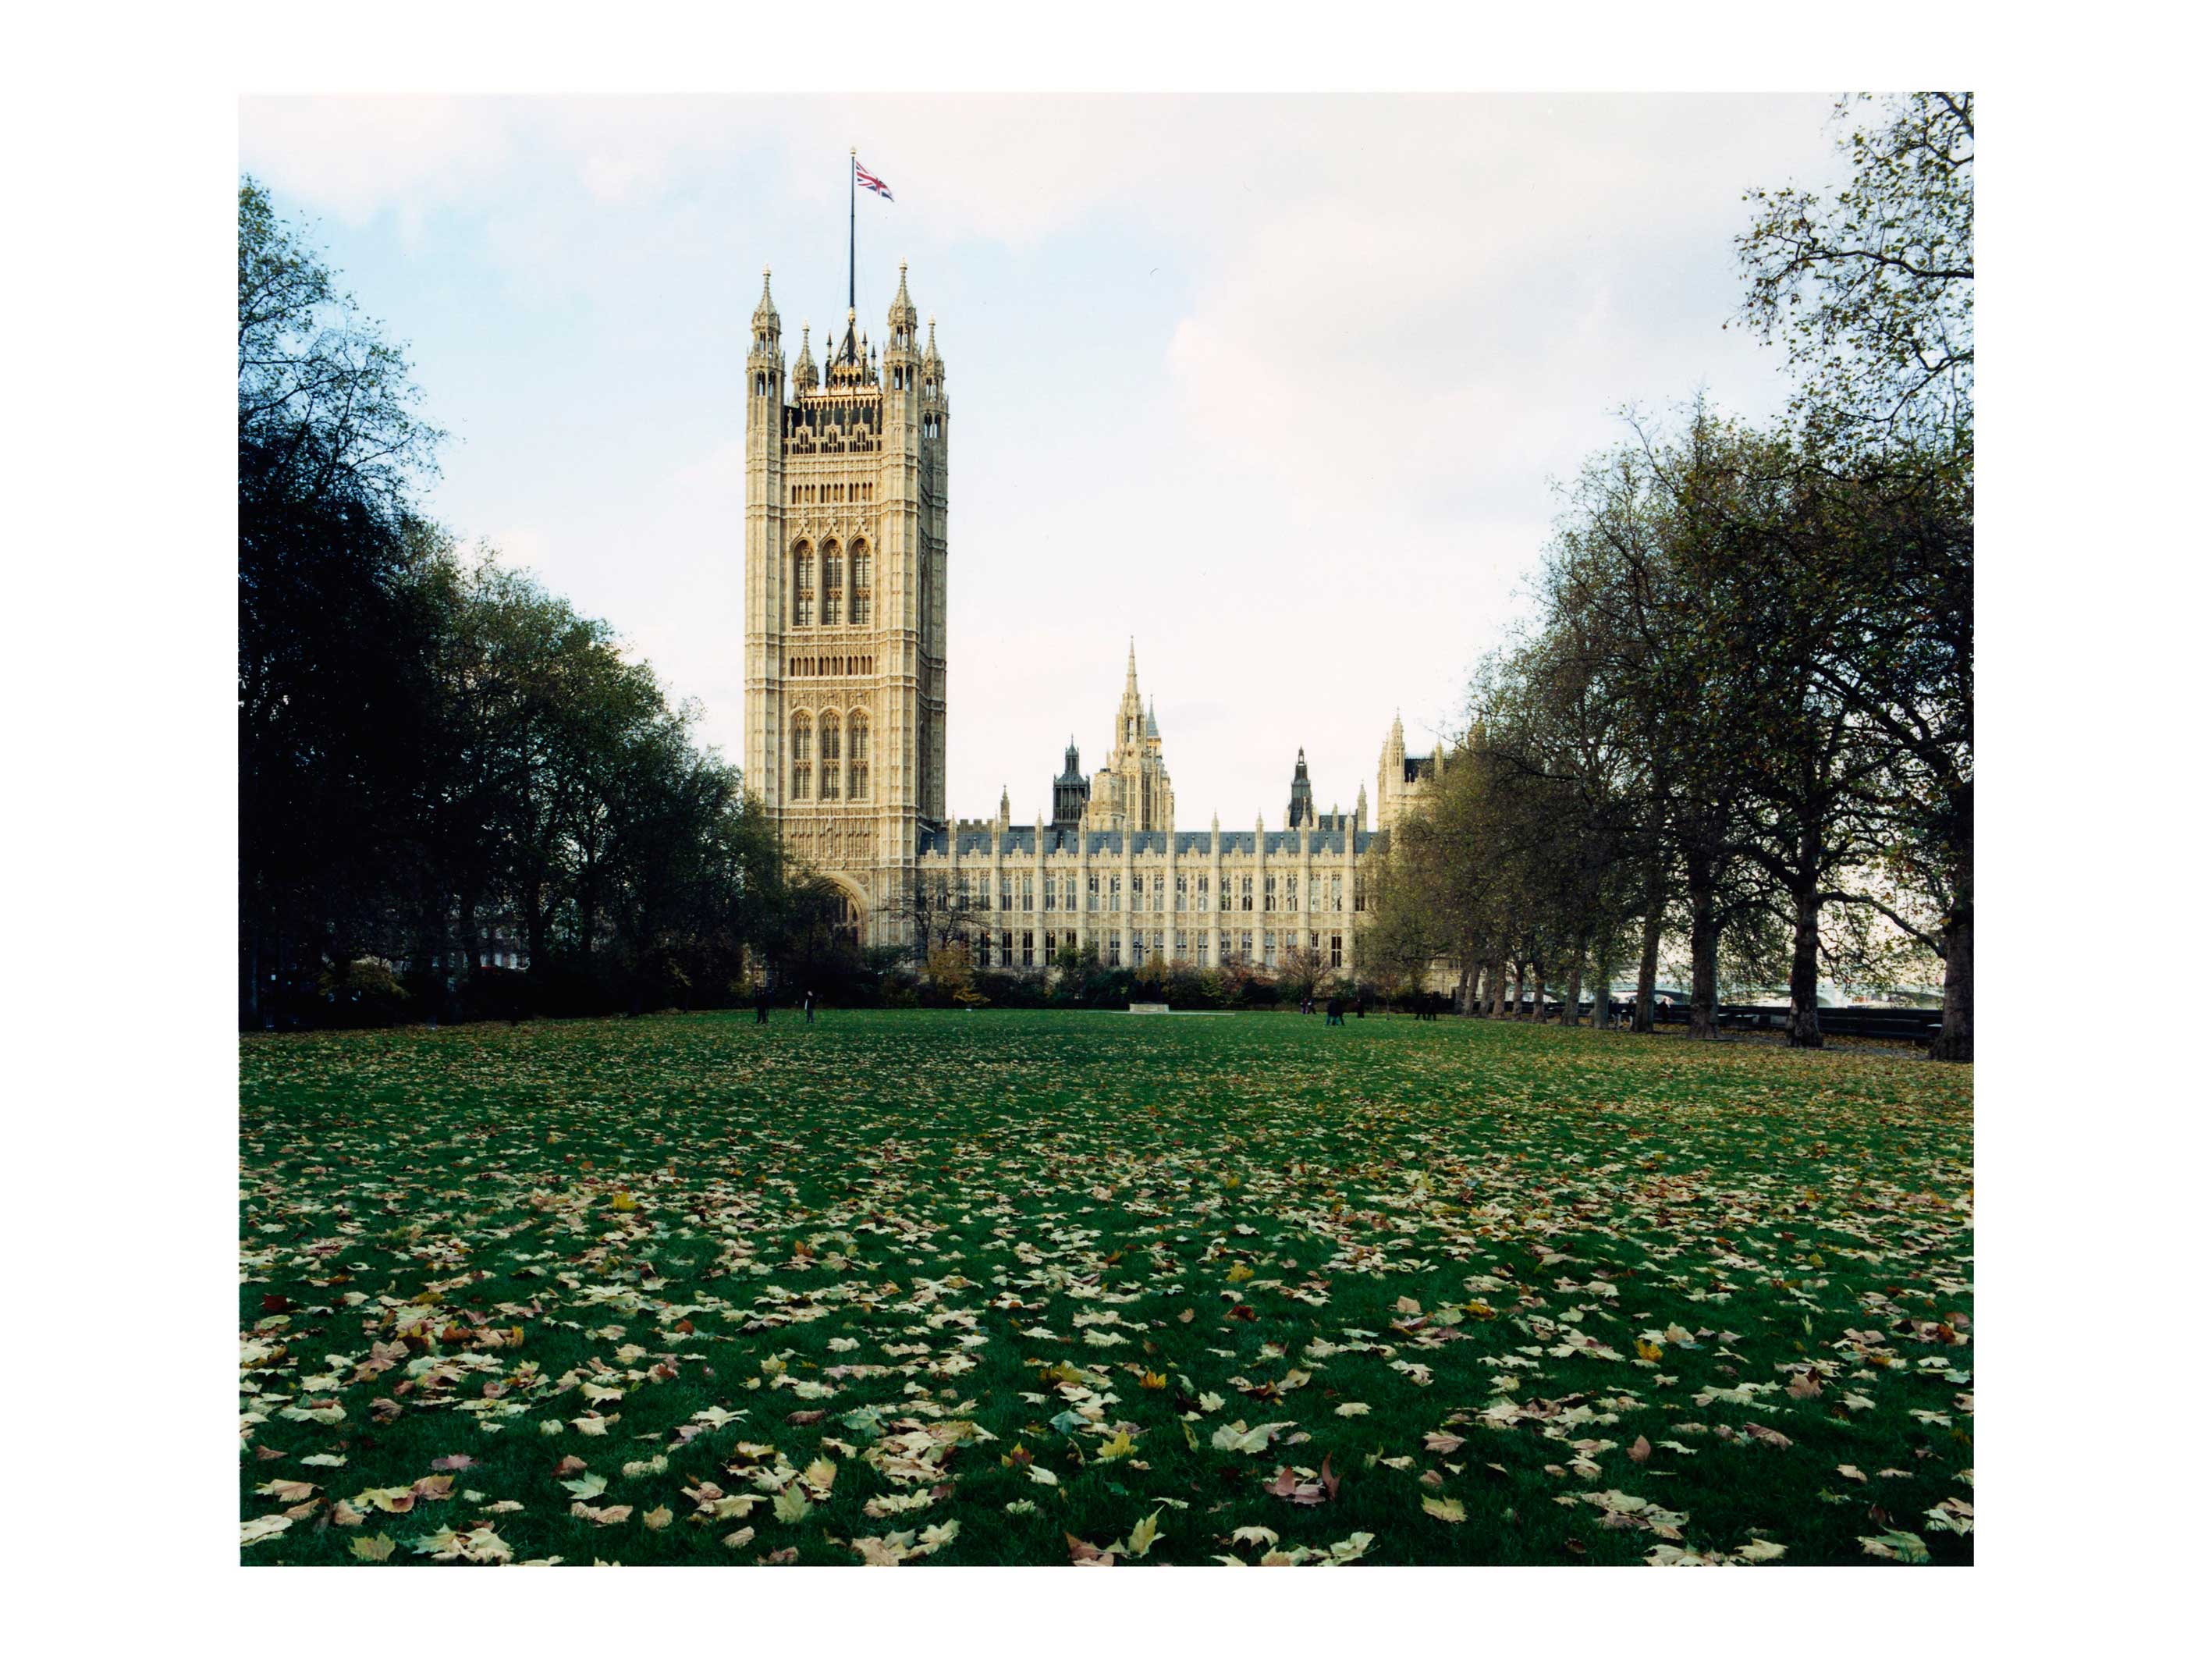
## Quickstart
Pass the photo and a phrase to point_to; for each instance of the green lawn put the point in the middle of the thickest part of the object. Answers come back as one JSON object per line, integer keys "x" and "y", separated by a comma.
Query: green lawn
{"x": 1019, "y": 1287}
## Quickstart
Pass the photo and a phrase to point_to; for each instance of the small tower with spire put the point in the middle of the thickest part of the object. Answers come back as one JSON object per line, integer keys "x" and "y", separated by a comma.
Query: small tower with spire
{"x": 765, "y": 494}
{"x": 1299, "y": 814}
{"x": 802, "y": 377}
{"x": 1070, "y": 791}
{"x": 1399, "y": 778}
{"x": 1131, "y": 791}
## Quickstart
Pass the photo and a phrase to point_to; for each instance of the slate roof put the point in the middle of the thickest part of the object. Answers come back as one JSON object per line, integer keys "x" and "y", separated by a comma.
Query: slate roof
{"x": 1019, "y": 840}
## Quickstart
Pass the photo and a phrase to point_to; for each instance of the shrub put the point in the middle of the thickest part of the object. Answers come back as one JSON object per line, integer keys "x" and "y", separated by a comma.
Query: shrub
{"x": 362, "y": 992}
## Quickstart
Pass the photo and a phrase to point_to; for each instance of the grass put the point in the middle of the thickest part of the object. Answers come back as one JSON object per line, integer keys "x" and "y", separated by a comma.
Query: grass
{"x": 1512, "y": 1295}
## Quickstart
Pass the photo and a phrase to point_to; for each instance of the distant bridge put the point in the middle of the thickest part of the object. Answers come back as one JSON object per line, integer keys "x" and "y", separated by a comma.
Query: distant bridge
{"x": 1906, "y": 1024}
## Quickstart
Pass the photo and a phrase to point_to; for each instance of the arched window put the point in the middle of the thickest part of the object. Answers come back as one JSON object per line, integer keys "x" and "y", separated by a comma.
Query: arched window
{"x": 831, "y": 757}
{"x": 802, "y": 586}
{"x": 863, "y": 575}
{"x": 856, "y": 743}
{"x": 833, "y": 584}
{"x": 802, "y": 756}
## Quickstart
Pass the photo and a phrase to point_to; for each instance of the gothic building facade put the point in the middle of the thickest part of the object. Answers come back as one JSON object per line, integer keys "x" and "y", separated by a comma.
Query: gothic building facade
{"x": 847, "y": 569}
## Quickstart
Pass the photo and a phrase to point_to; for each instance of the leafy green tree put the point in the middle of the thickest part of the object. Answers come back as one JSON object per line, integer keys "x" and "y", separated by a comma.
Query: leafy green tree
{"x": 334, "y": 688}
{"x": 1871, "y": 288}
{"x": 430, "y": 745}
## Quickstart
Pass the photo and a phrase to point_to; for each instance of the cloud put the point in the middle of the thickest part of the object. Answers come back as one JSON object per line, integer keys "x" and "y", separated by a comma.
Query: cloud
{"x": 357, "y": 157}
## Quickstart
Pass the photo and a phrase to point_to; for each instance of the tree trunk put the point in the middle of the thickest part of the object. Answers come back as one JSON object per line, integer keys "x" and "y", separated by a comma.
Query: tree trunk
{"x": 1647, "y": 968}
{"x": 1463, "y": 996}
{"x": 1955, "y": 1041}
{"x": 437, "y": 950}
{"x": 1805, "y": 974}
{"x": 1498, "y": 989}
{"x": 472, "y": 941}
{"x": 1536, "y": 1007}
{"x": 1704, "y": 949}
{"x": 1571, "y": 1011}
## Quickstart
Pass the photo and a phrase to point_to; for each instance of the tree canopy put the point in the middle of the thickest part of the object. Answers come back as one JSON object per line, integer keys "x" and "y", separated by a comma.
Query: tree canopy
{"x": 440, "y": 762}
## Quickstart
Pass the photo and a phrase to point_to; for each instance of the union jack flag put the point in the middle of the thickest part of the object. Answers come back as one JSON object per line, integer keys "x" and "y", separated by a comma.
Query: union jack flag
{"x": 868, "y": 181}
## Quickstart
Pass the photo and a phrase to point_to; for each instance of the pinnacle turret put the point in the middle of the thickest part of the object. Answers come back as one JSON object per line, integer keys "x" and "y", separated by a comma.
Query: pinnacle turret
{"x": 765, "y": 318}
{"x": 903, "y": 314}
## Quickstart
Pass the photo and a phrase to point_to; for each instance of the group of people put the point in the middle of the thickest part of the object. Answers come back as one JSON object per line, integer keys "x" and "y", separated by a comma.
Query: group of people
{"x": 1335, "y": 1008}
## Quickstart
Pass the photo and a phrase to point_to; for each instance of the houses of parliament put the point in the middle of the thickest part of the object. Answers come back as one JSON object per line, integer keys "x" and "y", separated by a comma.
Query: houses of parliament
{"x": 847, "y": 583}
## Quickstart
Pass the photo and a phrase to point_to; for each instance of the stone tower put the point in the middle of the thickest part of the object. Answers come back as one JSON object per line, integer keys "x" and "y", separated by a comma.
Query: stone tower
{"x": 845, "y": 596}
{"x": 1070, "y": 791}
{"x": 1299, "y": 815}
{"x": 1132, "y": 790}
{"x": 1400, "y": 779}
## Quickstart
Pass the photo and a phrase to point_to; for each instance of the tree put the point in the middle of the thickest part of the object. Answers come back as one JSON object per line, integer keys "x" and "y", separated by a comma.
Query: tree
{"x": 334, "y": 688}
{"x": 936, "y": 912}
{"x": 1871, "y": 290}
{"x": 429, "y": 744}
{"x": 1300, "y": 969}
{"x": 951, "y": 972}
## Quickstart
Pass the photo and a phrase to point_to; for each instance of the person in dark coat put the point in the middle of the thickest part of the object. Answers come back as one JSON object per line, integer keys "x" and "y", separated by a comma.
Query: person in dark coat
{"x": 760, "y": 1005}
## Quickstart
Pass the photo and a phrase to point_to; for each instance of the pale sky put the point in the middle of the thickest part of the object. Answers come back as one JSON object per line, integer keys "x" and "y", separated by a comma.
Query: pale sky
{"x": 1280, "y": 385}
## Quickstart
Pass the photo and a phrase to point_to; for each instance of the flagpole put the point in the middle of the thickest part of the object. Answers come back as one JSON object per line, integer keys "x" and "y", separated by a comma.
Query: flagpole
{"x": 852, "y": 221}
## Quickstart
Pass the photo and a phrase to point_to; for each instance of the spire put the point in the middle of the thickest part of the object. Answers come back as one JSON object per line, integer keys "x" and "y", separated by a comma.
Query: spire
{"x": 1151, "y": 719}
{"x": 902, "y": 317}
{"x": 764, "y": 317}
{"x": 802, "y": 371}
{"x": 1301, "y": 809}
